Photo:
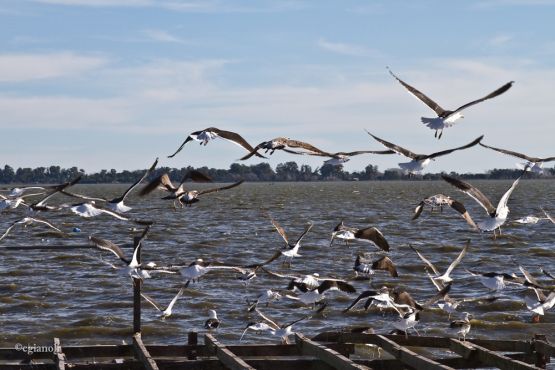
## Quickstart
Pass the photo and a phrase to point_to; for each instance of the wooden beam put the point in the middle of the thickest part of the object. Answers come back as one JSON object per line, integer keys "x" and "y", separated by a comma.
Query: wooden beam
{"x": 409, "y": 357}
{"x": 59, "y": 358}
{"x": 544, "y": 348}
{"x": 327, "y": 355}
{"x": 463, "y": 349}
{"x": 492, "y": 358}
{"x": 228, "y": 358}
{"x": 141, "y": 353}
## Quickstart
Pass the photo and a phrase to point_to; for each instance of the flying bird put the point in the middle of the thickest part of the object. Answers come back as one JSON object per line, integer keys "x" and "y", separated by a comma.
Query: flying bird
{"x": 497, "y": 215}
{"x": 290, "y": 250}
{"x": 26, "y": 221}
{"x": 533, "y": 164}
{"x": 440, "y": 200}
{"x": 165, "y": 312}
{"x": 420, "y": 161}
{"x": 211, "y": 133}
{"x": 369, "y": 234}
{"x": 384, "y": 263}
{"x": 445, "y": 277}
{"x": 213, "y": 322}
{"x": 446, "y": 118}
{"x": 282, "y": 331}
{"x": 41, "y": 204}
{"x": 284, "y": 143}
{"x": 339, "y": 158}
{"x": 117, "y": 204}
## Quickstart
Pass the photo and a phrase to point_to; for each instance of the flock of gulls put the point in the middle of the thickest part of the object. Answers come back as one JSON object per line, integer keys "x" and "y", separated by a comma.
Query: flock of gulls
{"x": 309, "y": 290}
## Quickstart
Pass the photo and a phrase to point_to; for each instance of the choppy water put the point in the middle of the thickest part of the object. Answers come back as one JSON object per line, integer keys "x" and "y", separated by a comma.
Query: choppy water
{"x": 71, "y": 295}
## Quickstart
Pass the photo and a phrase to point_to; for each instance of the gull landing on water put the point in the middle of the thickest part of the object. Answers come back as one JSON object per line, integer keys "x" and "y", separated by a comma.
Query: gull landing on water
{"x": 497, "y": 215}
{"x": 211, "y": 133}
{"x": 446, "y": 118}
{"x": 533, "y": 164}
{"x": 420, "y": 161}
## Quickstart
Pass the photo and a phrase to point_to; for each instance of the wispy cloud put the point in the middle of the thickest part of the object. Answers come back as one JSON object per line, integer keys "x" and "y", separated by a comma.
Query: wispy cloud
{"x": 496, "y": 3}
{"x": 24, "y": 67}
{"x": 500, "y": 40}
{"x": 162, "y": 36}
{"x": 98, "y": 3}
{"x": 347, "y": 49}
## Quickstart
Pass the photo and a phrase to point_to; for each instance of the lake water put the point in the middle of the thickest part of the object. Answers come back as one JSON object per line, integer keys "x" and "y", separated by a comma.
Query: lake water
{"x": 72, "y": 295}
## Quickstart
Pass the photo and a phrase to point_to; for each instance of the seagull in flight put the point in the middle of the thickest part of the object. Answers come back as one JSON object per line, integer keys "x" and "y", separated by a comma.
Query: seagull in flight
{"x": 497, "y": 215}
{"x": 290, "y": 250}
{"x": 282, "y": 331}
{"x": 337, "y": 159}
{"x": 445, "y": 277}
{"x": 446, "y": 118}
{"x": 420, "y": 161}
{"x": 165, "y": 312}
{"x": 533, "y": 164}
{"x": 26, "y": 221}
{"x": 117, "y": 204}
{"x": 211, "y": 133}
{"x": 368, "y": 234}
{"x": 440, "y": 200}
{"x": 133, "y": 268}
{"x": 41, "y": 204}
{"x": 284, "y": 143}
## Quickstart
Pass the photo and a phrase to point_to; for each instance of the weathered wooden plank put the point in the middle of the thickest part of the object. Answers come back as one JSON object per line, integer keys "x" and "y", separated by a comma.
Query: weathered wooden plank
{"x": 142, "y": 353}
{"x": 492, "y": 358}
{"x": 423, "y": 341}
{"x": 464, "y": 349}
{"x": 59, "y": 357}
{"x": 228, "y": 358}
{"x": 327, "y": 355}
{"x": 97, "y": 351}
{"x": 407, "y": 356}
{"x": 544, "y": 348}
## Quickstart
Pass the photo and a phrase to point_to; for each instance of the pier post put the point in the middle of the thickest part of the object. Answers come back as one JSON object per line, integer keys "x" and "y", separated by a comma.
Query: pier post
{"x": 137, "y": 293}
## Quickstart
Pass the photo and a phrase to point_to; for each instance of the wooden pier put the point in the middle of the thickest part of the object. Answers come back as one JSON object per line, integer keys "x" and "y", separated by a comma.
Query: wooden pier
{"x": 325, "y": 351}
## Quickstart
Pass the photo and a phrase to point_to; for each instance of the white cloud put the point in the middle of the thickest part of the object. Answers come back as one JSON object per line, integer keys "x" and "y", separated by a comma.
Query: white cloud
{"x": 98, "y": 3}
{"x": 347, "y": 49}
{"x": 500, "y": 40}
{"x": 25, "y": 67}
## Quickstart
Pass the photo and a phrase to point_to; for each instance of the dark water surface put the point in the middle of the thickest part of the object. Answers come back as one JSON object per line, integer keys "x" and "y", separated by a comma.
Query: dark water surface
{"x": 74, "y": 296}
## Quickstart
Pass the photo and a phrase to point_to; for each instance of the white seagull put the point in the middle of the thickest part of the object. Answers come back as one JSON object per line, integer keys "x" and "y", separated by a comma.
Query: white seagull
{"x": 26, "y": 221}
{"x": 167, "y": 312}
{"x": 211, "y": 133}
{"x": 290, "y": 250}
{"x": 446, "y": 118}
{"x": 420, "y": 161}
{"x": 199, "y": 267}
{"x": 282, "y": 331}
{"x": 445, "y": 277}
{"x": 368, "y": 234}
{"x": 89, "y": 209}
{"x": 497, "y": 215}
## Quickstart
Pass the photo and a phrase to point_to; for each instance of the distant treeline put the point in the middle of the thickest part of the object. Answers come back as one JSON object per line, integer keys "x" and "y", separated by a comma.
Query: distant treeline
{"x": 288, "y": 171}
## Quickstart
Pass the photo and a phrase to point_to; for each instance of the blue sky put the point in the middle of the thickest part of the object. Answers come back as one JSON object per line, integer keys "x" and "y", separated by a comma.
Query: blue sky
{"x": 102, "y": 84}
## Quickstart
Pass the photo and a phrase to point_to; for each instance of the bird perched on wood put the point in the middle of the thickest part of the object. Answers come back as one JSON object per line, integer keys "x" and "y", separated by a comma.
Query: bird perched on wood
{"x": 463, "y": 325}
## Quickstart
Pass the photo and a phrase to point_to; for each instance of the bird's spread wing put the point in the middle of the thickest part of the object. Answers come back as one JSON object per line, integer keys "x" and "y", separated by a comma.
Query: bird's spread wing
{"x": 135, "y": 259}
{"x": 213, "y": 190}
{"x": 179, "y": 294}
{"x": 108, "y": 246}
{"x": 458, "y": 259}
{"x": 396, "y": 148}
{"x": 505, "y": 198}
{"x": 44, "y": 222}
{"x": 444, "y": 152}
{"x": 497, "y": 92}
{"x": 365, "y": 294}
{"x": 196, "y": 176}
{"x": 418, "y": 210}
{"x": 151, "y": 301}
{"x": 285, "y": 276}
{"x": 471, "y": 191}
{"x": 336, "y": 284}
{"x": 420, "y": 96}
{"x": 162, "y": 181}
{"x": 236, "y": 139}
{"x": 280, "y": 230}
{"x": 514, "y": 154}
{"x": 426, "y": 261}
{"x": 459, "y": 207}
{"x": 57, "y": 189}
{"x": 147, "y": 172}
{"x": 549, "y": 217}
{"x": 301, "y": 144}
{"x": 189, "y": 138}
{"x": 267, "y": 319}
{"x": 374, "y": 235}
{"x": 385, "y": 264}
{"x": 306, "y": 230}
{"x": 441, "y": 294}
{"x": 80, "y": 196}
{"x": 9, "y": 229}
